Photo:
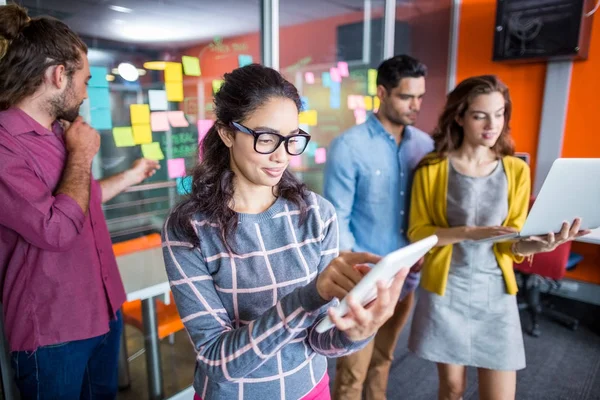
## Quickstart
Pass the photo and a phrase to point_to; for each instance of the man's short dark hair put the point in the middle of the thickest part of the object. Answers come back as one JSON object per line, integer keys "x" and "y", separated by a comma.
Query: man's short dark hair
{"x": 392, "y": 70}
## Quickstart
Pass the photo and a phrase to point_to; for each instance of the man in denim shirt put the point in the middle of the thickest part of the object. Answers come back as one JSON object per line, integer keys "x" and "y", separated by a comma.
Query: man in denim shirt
{"x": 368, "y": 178}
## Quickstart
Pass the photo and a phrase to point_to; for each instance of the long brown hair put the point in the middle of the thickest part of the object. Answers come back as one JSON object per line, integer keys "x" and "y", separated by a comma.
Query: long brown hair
{"x": 28, "y": 47}
{"x": 449, "y": 135}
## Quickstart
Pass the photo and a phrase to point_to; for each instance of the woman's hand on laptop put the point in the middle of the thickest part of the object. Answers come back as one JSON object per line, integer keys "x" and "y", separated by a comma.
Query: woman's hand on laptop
{"x": 486, "y": 232}
{"x": 549, "y": 242}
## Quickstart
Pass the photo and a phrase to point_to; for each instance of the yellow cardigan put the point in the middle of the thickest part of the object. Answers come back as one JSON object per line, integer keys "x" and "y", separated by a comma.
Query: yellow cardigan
{"x": 428, "y": 212}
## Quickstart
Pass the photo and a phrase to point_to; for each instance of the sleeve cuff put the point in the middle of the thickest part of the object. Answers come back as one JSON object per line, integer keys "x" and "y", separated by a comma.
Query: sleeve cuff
{"x": 70, "y": 209}
{"x": 310, "y": 299}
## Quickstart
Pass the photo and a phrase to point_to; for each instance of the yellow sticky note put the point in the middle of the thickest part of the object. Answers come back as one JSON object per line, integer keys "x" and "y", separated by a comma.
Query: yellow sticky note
{"x": 123, "y": 136}
{"x": 372, "y": 82}
{"x": 152, "y": 151}
{"x": 216, "y": 84}
{"x": 191, "y": 65}
{"x": 174, "y": 91}
{"x": 376, "y": 103}
{"x": 140, "y": 114}
{"x": 308, "y": 117}
{"x": 368, "y": 103}
{"x": 142, "y": 134}
{"x": 173, "y": 72}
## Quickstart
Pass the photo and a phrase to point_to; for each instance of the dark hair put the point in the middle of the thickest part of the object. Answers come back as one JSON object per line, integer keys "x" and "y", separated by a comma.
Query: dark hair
{"x": 244, "y": 90}
{"x": 448, "y": 134}
{"x": 393, "y": 70}
{"x": 28, "y": 47}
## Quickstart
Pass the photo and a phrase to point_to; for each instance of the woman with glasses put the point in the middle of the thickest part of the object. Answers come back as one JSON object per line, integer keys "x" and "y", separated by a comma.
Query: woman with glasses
{"x": 252, "y": 255}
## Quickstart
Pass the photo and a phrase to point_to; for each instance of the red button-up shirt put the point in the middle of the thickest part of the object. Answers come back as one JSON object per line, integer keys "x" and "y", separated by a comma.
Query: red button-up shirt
{"x": 58, "y": 273}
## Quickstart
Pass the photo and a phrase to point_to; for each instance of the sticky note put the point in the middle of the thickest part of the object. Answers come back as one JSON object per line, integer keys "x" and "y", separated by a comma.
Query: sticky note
{"x": 335, "y": 97}
{"x": 320, "y": 155}
{"x": 140, "y": 114}
{"x": 98, "y": 79}
{"x": 173, "y": 72}
{"x": 158, "y": 100}
{"x": 305, "y": 103}
{"x": 355, "y": 101}
{"x": 123, "y": 136}
{"x": 376, "y": 103}
{"x": 216, "y": 85}
{"x": 244, "y": 59}
{"x": 204, "y": 126}
{"x": 311, "y": 148}
{"x": 191, "y": 66}
{"x": 177, "y": 119}
{"x": 368, "y": 103}
{"x": 309, "y": 77}
{"x": 360, "y": 115}
{"x": 174, "y": 91}
{"x": 334, "y": 73}
{"x": 142, "y": 134}
{"x": 99, "y": 97}
{"x": 101, "y": 118}
{"x": 295, "y": 161}
{"x": 372, "y": 82}
{"x": 159, "y": 121}
{"x": 184, "y": 185}
{"x": 326, "y": 79}
{"x": 152, "y": 151}
{"x": 343, "y": 68}
{"x": 308, "y": 117}
{"x": 176, "y": 168}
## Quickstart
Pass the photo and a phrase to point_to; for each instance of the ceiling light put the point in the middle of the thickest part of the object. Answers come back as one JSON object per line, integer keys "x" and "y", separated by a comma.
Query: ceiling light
{"x": 155, "y": 65}
{"x": 121, "y": 9}
{"x": 141, "y": 71}
{"x": 128, "y": 72}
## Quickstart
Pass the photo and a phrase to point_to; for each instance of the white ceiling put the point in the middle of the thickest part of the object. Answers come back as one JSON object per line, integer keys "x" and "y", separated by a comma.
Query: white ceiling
{"x": 160, "y": 23}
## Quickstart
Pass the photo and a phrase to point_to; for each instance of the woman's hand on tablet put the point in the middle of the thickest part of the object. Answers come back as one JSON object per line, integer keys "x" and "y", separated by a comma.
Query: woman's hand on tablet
{"x": 343, "y": 273}
{"x": 549, "y": 242}
{"x": 363, "y": 322}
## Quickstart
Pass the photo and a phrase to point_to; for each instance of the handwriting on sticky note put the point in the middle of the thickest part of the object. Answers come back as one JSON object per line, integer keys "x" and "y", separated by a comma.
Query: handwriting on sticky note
{"x": 142, "y": 134}
{"x": 320, "y": 155}
{"x": 159, "y": 121}
{"x": 191, "y": 65}
{"x": 372, "y": 82}
{"x": 204, "y": 126}
{"x": 184, "y": 185}
{"x": 309, "y": 77}
{"x": 158, "y": 100}
{"x": 140, "y": 114}
{"x": 152, "y": 151}
{"x": 123, "y": 136}
{"x": 308, "y": 117}
{"x": 173, "y": 72}
{"x": 174, "y": 91}
{"x": 177, "y": 119}
{"x": 343, "y": 68}
{"x": 176, "y": 167}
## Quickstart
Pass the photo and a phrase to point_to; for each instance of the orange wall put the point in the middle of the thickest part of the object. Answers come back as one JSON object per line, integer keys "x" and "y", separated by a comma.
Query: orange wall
{"x": 525, "y": 81}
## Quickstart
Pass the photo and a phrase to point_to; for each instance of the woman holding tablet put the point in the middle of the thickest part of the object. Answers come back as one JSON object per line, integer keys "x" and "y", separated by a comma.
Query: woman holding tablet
{"x": 472, "y": 188}
{"x": 252, "y": 255}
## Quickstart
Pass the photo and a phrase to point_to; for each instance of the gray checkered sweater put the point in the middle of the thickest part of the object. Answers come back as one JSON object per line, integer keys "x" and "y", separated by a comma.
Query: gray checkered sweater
{"x": 251, "y": 312}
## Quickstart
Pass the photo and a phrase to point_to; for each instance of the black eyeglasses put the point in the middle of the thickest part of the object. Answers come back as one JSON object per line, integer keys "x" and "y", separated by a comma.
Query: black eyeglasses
{"x": 268, "y": 142}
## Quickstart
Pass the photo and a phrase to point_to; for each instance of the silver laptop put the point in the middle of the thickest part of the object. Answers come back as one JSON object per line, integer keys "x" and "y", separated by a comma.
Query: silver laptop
{"x": 571, "y": 190}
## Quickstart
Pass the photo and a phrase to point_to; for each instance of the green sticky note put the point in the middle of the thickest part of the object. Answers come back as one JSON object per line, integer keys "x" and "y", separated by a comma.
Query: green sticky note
{"x": 152, "y": 151}
{"x": 216, "y": 84}
{"x": 123, "y": 136}
{"x": 191, "y": 65}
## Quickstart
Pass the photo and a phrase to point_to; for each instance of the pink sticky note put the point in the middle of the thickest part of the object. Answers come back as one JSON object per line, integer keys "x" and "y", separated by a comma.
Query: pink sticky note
{"x": 203, "y": 127}
{"x": 320, "y": 155}
{"x": 343, "y": 68}
{"x": 360, "y": 115}
{"x": 334, "y": 73}
{"x": 296, "y": 161}
{"x": 159, "y": 121}
{"x": 176, "y": 168}
{"x": 355, "y": 101}
{"x": 177, "y": 119}
{"x": 309, "y": 77}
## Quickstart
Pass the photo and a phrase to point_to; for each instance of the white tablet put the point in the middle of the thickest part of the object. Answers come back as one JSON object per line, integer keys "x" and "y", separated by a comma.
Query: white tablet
{"x": 385, "y": 270}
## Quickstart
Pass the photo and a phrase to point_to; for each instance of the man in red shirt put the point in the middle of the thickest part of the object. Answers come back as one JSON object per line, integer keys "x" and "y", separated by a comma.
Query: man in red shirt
{"x": 61, "y": 289}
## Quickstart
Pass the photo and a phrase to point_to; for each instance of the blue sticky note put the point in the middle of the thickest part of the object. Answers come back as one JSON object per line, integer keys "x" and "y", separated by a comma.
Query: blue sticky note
{"x": 305, "y": 104}
{"x": 335, "y": 95}
{"x": 99, "y": 97}
{"x": 184, "y": 185}
{"x": 101, "y": 118}
{"x": 98, "y": 78}
{"x": 311, "y": 149}
{"x": 244, "y": 59}
{"x": 326, "y": 79}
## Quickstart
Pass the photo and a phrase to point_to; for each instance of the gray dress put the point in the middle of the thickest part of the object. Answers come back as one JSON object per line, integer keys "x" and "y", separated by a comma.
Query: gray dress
{"x": 476, "y": 323}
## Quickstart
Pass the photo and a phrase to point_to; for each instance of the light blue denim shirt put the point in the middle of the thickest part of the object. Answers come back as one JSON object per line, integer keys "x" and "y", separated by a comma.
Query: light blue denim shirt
{"x": 368, "y": 178}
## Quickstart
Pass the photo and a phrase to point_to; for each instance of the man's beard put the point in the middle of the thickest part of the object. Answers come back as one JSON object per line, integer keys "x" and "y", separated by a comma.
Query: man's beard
{"x": 59, "y": 108}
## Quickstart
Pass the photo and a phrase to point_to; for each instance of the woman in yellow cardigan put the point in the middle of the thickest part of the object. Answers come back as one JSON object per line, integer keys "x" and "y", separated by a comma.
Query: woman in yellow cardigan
{"x": 473, "y": 188}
